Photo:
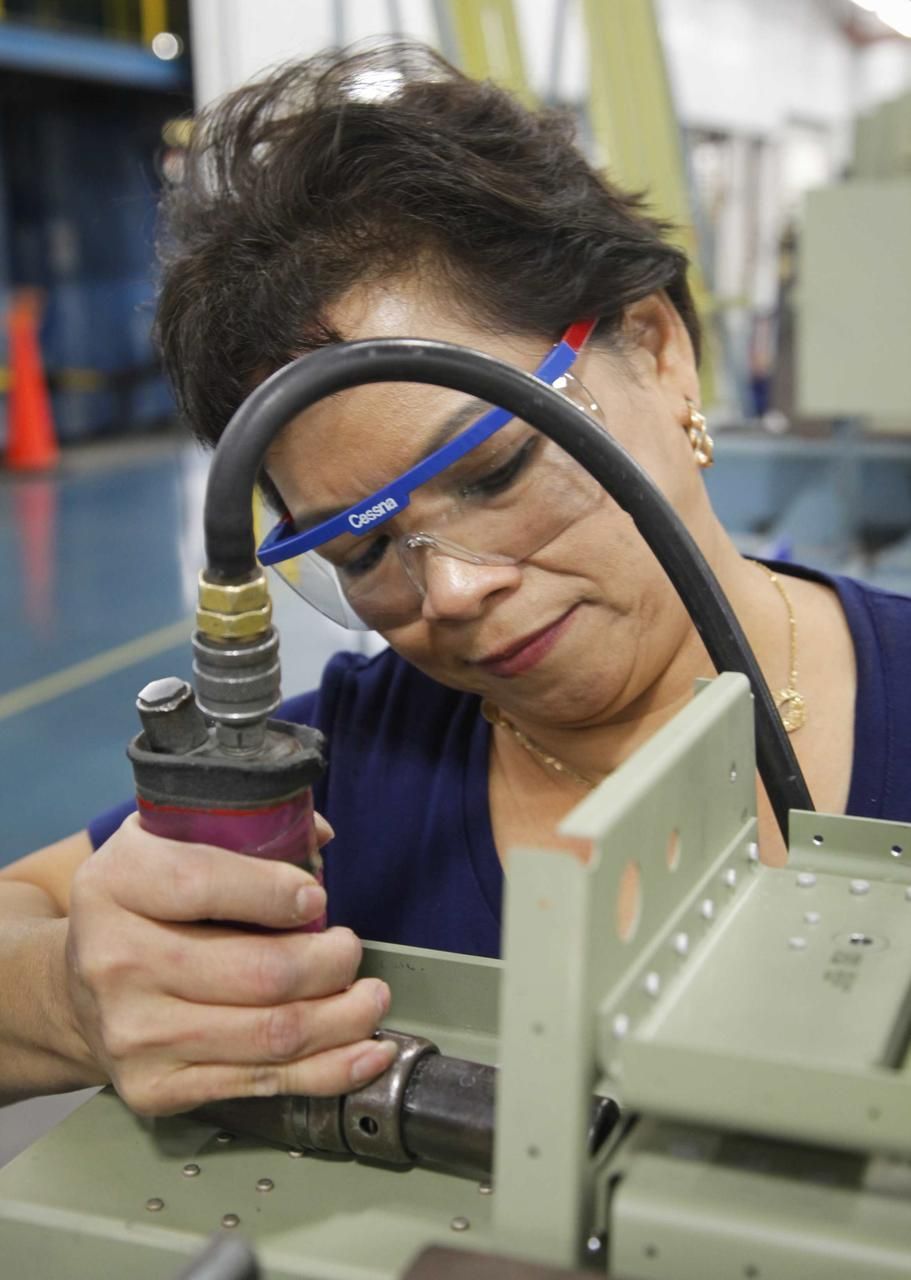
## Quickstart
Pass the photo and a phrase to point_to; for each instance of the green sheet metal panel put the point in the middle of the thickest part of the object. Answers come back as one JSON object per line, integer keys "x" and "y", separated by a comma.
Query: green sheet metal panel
{"x": 74, "y": 1204}
{"x": 690, "y": 1204}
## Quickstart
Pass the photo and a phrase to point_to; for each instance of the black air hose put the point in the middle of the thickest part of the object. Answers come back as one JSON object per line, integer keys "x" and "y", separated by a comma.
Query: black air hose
{"x": 230, "y": 547}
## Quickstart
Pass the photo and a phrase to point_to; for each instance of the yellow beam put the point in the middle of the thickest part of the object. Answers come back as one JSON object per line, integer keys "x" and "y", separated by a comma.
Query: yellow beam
{"x": 636, "y": 129}
{"x": 488, "y": 38}
{"x": 153, "y": 17}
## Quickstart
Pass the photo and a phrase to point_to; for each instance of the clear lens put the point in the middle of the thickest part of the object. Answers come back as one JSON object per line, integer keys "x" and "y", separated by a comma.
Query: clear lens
{"x": 501, "y": 503}
{"x": 547, "y": 493}
{"x": 316, "y": 581}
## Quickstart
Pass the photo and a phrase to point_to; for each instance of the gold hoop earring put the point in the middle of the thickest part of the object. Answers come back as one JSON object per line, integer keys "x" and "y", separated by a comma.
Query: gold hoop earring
{"x": 702, "y": 443}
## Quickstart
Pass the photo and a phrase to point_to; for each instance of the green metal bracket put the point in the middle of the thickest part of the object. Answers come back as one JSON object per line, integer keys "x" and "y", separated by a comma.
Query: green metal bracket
{"x": 791, "y": 1015}
{"x": 853, "y": 847}
{"x": 688, "y": 1204}
{"x": 676, "y": 817}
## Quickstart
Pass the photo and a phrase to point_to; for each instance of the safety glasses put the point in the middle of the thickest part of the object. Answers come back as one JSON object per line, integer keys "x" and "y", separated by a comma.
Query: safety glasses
{"x": 494, "y": 494}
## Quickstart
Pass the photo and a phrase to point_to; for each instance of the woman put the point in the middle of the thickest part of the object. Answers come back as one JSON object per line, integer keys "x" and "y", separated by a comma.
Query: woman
{"x": 534, "y": 640}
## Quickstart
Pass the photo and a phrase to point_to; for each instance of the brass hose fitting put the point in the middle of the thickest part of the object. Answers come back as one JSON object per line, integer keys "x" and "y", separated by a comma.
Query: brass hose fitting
{"x": 234, "y": 611}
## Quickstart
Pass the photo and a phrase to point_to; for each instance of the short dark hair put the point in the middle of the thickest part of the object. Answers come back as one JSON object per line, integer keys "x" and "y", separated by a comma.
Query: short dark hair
{"x": 354, "y": 166}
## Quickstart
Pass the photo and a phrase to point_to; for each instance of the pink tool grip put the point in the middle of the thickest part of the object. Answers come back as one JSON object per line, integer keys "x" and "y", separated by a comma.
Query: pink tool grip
{"x": 284, "y": 831}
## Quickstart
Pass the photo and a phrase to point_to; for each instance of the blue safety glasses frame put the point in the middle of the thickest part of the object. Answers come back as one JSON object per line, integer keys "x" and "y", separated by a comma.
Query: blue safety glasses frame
{"x": 283, "y": 543}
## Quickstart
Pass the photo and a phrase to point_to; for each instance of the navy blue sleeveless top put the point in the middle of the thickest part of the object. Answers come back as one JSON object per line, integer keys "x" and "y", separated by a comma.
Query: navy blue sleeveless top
{"x": 414, "y": 861}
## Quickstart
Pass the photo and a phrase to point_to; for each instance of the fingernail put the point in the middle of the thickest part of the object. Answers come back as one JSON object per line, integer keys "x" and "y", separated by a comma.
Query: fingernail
{"x": 383, "y": 997}
{"x": 373, "y": 1061}
{"x": 310, "y": 902}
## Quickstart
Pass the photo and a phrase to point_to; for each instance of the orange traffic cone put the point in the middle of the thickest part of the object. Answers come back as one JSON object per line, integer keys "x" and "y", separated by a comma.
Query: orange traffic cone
{"x": 31, "y": 443}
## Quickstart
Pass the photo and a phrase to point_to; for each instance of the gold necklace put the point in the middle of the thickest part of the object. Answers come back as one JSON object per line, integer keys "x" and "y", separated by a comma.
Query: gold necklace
{"x": 493, "y": 715}
{"x": 792, "y": 706}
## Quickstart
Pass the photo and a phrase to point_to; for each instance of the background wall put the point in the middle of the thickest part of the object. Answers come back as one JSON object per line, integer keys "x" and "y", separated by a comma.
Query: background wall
{"x": 751, "y": 67}
{"x": 747, "y": 65}
{"x": 766, "y": 92}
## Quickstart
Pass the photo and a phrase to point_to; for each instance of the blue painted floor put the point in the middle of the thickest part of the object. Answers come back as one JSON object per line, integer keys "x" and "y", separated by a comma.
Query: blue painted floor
{"x": 98, "y": 555}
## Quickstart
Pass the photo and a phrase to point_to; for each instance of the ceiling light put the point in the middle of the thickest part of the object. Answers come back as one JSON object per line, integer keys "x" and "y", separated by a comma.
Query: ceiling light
{"x": 894, "y": 13}
{"x": 167, "y": 46}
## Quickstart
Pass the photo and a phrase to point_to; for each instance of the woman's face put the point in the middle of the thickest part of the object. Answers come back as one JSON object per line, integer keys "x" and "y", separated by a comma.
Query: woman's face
{"x": 585, "y": 626}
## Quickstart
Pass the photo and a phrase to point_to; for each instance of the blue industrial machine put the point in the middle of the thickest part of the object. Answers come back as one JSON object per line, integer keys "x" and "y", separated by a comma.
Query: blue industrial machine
{"x": 81, "y": 120}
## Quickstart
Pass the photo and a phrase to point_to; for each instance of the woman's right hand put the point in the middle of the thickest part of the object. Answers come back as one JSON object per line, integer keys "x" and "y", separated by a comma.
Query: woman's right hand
{"x": 178, "y": 1010}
